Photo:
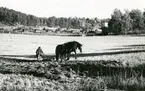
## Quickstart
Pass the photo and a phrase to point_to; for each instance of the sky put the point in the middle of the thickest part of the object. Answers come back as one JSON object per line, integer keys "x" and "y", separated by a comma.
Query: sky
{"x": 72, "y": 8}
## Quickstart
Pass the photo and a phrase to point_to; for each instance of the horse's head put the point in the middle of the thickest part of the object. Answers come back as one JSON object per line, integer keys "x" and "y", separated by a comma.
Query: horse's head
{"x": 80, "y": 47}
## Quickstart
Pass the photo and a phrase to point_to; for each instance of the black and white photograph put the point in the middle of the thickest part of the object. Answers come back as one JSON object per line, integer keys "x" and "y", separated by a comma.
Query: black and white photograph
{"x": 72, "y": 45}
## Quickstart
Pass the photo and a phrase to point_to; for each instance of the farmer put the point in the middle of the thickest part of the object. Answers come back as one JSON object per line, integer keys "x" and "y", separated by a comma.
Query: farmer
{"x": 39, "y": 54}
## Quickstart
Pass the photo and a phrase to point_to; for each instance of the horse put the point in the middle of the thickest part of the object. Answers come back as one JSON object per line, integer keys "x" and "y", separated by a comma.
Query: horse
{"x": 64, "y": 50}
{"x": 60, "y": 52}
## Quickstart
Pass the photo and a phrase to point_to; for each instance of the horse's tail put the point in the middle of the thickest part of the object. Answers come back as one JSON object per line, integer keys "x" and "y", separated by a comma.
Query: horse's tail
{"x": 58, "y": 51}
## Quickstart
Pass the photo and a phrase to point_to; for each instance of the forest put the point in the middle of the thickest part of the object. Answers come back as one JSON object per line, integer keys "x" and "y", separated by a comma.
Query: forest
{"x": 120, "y": 23}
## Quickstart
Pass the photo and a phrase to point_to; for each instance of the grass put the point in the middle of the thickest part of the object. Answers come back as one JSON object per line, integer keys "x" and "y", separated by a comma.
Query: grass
{"x": 129, "y": 59}
{"x": 13, "y": 82}
{"x": 134, "y": 83}
{"x": 50, "y": 70}
{"x": 121, "y": 72}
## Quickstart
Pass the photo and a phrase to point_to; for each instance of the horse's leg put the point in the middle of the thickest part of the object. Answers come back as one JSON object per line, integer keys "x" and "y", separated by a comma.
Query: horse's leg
{"x": 57, "y": 57}
{"x": 75, "y": 54}
{"x": 68, "y": 56}
{"x": 61, "y": 57}
{"x": 65, "y": 57}
{"x": 37, "y": 56}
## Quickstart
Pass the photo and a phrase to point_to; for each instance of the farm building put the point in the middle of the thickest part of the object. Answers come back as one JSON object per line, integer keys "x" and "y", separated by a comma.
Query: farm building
{"x": 1, "y": 30}
{"x": 63, "y": 29}
{"x": 21, "y": 29}
{"x": 51, "y": 29}
{"x": 91, "y": 33}
{"x": 75, "y": 30}
{"x": 94, "y": 31}
{"x": 39, "y": 31}
{"x": 97, "y": 29}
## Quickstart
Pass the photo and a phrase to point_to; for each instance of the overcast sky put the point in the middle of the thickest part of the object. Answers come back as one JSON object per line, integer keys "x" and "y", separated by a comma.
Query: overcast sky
{"x": 72, "y": 8}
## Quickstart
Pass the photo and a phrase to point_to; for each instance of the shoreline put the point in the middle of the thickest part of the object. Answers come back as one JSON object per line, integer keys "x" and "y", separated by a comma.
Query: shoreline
{"x": 45, "y": 34}
{"x": 52, "y": 56}
{"x": 71, "y": 35}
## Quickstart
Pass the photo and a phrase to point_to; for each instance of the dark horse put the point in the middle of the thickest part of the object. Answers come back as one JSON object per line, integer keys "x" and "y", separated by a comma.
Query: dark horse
{"x": 64, "y": 50}
{"x": 59, "y": 52}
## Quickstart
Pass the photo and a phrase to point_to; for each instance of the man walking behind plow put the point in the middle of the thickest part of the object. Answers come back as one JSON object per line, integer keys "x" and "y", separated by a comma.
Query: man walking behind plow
{"x": 39, "y": 54}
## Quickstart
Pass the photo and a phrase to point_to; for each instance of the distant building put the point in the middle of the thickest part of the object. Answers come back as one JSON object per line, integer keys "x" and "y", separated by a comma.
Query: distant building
{"x": 97, "y": 29}
{"x": 91, "y": 33}
{"x": 106, "y": 24}
{"x": 52, "y": 29}
{"x": 39, "y": 31}
{"x": 20, "y": 29}
{"x": 75, "y": 30}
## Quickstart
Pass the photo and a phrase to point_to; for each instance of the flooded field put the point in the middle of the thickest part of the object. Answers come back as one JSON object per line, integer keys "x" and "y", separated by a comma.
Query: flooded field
{"x": 15, "y": 44}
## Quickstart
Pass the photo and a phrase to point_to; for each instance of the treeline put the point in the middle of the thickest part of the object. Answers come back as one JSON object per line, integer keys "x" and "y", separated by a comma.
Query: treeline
{"x": 129, "y": 22}
{"x": 11, "y": 17}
